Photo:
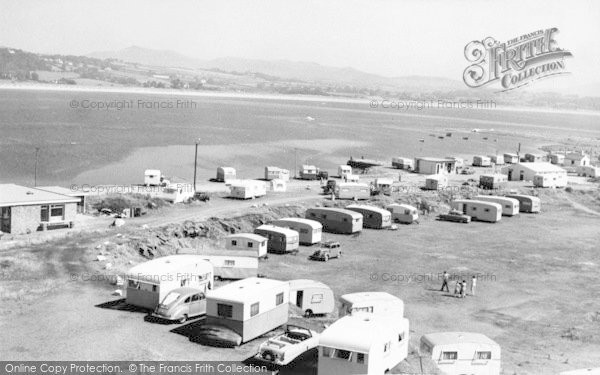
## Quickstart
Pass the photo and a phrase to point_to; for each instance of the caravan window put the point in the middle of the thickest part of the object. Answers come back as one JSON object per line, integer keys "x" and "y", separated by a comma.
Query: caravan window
{"x": 386, "y": 347}
{"x": 229, "y": 263}
{"x": 225, "y": 311}
{"x": 486, "y": 209}
{"x": 279, "y": 299}
{"x": 365, "y": 309}
{"x": 343, "y": 354}
{"x": 360, "y": 357}
{"x": 134, "y": 284}
{"x": 233, "y": 242}
{"x": 304, "y": 230}
{"x": 345, "y": 219}
{"x": 316, "y": 298}
{"x": 254, "y": 309}
{"x": 250, "y": 244}
{"x": 449, "y": 355}
{"x": 401, "y": 336}
{"x": 484, "y": 355}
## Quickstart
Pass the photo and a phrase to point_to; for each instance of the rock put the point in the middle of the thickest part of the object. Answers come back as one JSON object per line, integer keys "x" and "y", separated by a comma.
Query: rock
{"x": 100, "y": 258}
{"x": 106, "y": 243}
{"x": 254, "y": 205}
{"x": 119, "y": 235}
{"x": 108, "y": 266}
{"x": 119, "y": 222}
{"x": 145, "y": 226}
{"x": 117, "y": 292}
{"x": 119, "y": 281}
{"x": 130, "y": 262}
{"x": 98, "y": 247}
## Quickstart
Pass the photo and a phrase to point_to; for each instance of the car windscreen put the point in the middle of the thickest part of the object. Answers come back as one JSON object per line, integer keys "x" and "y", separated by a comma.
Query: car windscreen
{"x": 170, "y": 298}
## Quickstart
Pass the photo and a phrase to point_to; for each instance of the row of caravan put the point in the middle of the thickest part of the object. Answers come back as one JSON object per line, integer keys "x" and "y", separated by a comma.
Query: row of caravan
{"x": 491, "y": 208}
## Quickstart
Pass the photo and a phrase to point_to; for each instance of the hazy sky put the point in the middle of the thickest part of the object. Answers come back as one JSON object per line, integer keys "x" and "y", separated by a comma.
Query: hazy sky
{"x": 392, "y": 38}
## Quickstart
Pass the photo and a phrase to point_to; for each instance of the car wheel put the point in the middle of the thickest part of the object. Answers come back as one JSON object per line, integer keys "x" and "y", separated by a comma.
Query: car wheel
{"x": 183, "y": 319}
{"x": 308, "y": 313}
{"x": 268, "y": 356}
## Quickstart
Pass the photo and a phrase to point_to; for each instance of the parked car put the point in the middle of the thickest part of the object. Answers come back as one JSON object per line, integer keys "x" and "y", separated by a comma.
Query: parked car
{"x": 455, "y": 216}
{"x": 328, "y": 250}
{"x": 467, "y": 170}
{"x": 284, "y": 348}
{"x": 181, "y": 304}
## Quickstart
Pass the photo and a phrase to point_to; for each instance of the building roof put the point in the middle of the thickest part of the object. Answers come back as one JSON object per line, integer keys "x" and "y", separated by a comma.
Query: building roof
{"x": 575, "y": 156}
{"x": 545, "y": 167}
{"x": 451, "y": 338}
{"x": 249, "y": 236}
{"x": 364, "y": 207}
{"x": 306, "y": 283}
{"x": 62, "y": 190}
{"x": 247, "y": 289}
{"x": 358, "y": 332}
{"x": 435, "y": 160}
{"x": 159, "y": 269}
{"x": 17, "y": 195}
{"x": 312, "y": 223}
{"x": 276, "y": 229}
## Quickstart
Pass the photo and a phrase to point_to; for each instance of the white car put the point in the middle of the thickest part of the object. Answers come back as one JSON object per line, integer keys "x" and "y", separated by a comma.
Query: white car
{"x": 283, "y": 349}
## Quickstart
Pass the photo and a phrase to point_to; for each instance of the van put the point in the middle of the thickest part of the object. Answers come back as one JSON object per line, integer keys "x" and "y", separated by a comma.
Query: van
{"x": 181, "y": 304}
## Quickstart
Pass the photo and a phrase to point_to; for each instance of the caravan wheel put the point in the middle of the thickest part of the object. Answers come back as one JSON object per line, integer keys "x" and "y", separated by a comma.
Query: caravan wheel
{"x": 308, "y": 313}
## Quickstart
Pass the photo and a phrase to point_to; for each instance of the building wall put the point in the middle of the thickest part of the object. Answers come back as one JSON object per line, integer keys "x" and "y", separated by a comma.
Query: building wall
{"x": 24, "y": 219}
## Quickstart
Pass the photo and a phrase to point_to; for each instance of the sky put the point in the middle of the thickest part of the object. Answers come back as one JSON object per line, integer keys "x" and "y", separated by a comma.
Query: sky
{"x": 390, "y": 38}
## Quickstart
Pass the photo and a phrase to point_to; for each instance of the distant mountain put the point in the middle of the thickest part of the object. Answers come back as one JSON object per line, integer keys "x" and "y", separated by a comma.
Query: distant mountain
{"x": 304, "y": 71}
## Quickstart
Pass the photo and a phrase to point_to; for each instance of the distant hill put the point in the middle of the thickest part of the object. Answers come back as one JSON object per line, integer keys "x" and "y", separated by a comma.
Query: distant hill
{"x": 304, "y": 71}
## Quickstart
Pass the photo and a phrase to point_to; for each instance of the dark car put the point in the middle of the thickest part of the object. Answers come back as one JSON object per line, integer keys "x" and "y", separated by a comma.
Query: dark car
{"x": 328, "y": 250}
{"x": 455, "y": 216}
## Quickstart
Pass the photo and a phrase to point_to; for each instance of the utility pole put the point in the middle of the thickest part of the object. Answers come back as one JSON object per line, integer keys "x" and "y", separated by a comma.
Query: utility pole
{"x": 295, "y": 162}
{"x": 196, "y": 163}
{"x": 37, "y": 151}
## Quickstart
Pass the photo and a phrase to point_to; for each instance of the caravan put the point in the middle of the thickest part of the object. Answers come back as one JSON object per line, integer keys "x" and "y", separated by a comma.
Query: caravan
{"x": 230, "y": 267}
{"x": 479, "y": 210}
{"x": 312, "y": 297}
{"x": 280, "y": 240}
{"x": 352, "y": 190}
{"x": 403, "y": 213}
{"x": 462, "y": 353}
{"x": 363, "y": 344}
{"x": 510, "y": 206}
{"x": 250, "y": 307}
{"x": 247, "y": 189}
{"x": 253, "y": 243}
{"x": 373, "y": 217}
{"x": 336, "y": 220}
{"x": 381, "y": 303}
{"x": 225, "y": 174}
{"x": 148, "y": 283}
{"x": 403, "y": 163}
{"x": 527, "y": 203}
{"x": 310, "y": 231}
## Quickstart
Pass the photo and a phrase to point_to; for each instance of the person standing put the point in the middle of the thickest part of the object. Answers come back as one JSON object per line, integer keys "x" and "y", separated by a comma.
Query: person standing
{"x": 473, "y": 284}
{"x": 463, "y": 289}
{"x": 457, "y": 287}
{"x": 445, "y": 282}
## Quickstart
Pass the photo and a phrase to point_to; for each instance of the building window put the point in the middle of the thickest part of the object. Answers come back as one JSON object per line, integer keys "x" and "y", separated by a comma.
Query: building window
{"x": 57, "y": 211}
{"x": 316, "y": 298}
{"x": 484, "y": 355}
{"x": 225, "y": 311}
{"x": 279, "y": 299}
{"x": 254, "y": 309}
{"x": 449, "y": 356}
{"x": 44, "y": 213}
{"x": 360, "y": 357}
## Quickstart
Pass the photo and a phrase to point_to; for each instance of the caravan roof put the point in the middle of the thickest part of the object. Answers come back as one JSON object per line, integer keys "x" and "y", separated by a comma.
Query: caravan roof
{"x": 246, "y": 290}
{"x": 358, "y": 332}
{"x": 312, "y": 223}
{"x": 282, "y": 230}
{"x": 450, "y": 338}
{"x": 355, "y": 215}
{"x": 368, "y": 296}
{"x": 165, "y": 266}
{"x": 250, "y": 236}
{"x": 368, "y": 208}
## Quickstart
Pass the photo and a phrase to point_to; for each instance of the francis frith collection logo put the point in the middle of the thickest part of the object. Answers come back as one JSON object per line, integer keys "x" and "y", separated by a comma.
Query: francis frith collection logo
{"x": 516, "y": 62}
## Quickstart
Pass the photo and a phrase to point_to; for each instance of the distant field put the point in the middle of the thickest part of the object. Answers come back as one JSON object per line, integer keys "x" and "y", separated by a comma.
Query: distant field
{"x": 75, "y": 143}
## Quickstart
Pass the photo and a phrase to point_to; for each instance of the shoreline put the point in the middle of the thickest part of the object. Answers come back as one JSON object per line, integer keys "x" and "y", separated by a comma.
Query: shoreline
{"x": 253, "y": 96}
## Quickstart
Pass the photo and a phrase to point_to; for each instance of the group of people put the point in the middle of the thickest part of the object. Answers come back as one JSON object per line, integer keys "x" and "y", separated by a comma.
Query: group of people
{"x": 460, "y": 288}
